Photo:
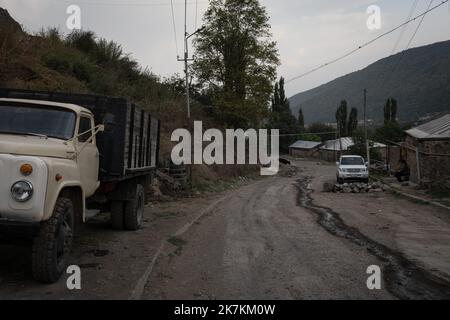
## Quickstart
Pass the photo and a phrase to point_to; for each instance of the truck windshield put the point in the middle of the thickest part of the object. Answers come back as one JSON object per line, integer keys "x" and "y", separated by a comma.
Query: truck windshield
{"x": 39, "y": 121}
{"x": 352, "y": 161}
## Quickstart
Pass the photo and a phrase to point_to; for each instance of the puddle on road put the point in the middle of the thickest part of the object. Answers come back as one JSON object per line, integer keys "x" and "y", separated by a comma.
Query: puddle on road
{"x": 403, "y": 278}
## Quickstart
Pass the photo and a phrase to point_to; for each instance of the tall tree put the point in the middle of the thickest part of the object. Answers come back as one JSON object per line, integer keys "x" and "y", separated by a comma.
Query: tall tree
{"x": 390, "y": 111}
{"x": 276, "y": 102}
{"x": 301, "y": 119}
{"x": 283, "y": 100}
{"x": 352, "y": 121}
{"x": 279, "y": 101}
{"x": 236, "y": 54}
{"x": 341, "y": 118}
{"x": 282, "y": 117}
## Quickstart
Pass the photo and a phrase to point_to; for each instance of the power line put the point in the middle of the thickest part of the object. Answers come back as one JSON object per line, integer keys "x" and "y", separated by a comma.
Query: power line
{"x": 127, "y": 4}
{"x": 174, "y": 26}
{"x": 402, "y": 55}
{"x": 418, "y": 26}
{"x": 411, "y": 12}
{"x": 366, "y": 44}
{"x": 196, "y": 13}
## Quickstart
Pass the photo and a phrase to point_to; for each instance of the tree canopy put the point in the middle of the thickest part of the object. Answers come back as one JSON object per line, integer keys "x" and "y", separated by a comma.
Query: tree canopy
{"x": 237, "y": 59}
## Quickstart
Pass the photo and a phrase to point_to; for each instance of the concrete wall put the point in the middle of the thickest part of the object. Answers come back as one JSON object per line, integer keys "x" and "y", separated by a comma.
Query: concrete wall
{"x": 329, "y": 155}
{"x": 303, "y": 153}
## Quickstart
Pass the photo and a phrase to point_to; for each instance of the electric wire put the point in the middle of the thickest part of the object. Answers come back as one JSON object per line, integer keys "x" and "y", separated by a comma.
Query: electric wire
{"x": 366, "y": 44}
{"x": 174, "y": 27}
{"x": 411, "y": 12}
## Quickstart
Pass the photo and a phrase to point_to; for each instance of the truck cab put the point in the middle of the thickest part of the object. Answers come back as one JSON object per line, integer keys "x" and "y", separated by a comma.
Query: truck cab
{"x": 53, "y": 168}
{"x": 48, "y": 161}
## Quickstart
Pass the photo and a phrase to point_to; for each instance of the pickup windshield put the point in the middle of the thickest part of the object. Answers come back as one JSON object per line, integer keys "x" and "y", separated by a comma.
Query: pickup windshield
{"x": 37, "y": 121}
{"x": 352, "y": 161}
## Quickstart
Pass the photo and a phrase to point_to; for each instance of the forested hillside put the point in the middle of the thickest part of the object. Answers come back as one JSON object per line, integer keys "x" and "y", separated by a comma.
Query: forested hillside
{"x": 419, "y": 80}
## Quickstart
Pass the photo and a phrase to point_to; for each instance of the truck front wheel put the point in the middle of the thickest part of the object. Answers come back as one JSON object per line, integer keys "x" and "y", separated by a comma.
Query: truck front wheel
{"x": 134, "y": 210}
{"x": 52, "y": 246}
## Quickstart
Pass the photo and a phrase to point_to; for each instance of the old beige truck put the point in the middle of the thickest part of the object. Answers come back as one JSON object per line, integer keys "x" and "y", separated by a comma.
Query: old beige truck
{"x": 64, "y": 154}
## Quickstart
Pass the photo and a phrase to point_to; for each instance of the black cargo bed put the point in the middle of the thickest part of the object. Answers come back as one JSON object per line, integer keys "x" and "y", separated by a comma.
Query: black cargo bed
{"x": 130, "y": 144}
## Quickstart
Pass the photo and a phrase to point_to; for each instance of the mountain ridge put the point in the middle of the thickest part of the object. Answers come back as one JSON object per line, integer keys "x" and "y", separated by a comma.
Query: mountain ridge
{"x": 400, "y": 76}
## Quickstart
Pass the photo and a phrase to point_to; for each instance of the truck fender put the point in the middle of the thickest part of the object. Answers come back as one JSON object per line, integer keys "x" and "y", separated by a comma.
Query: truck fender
{"x": 73, "y": 191}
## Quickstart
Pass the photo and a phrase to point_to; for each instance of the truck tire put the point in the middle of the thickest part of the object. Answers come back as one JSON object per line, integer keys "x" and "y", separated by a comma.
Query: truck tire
{"x": 117, "y": 215}
{"x": 52, "y": 246}
{"x": 134, "y": 210}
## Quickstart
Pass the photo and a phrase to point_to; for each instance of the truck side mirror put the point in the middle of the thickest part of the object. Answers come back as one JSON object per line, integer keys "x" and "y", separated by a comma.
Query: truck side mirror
{"x": 337, "y": 163}
{"x": 101, "y": 128}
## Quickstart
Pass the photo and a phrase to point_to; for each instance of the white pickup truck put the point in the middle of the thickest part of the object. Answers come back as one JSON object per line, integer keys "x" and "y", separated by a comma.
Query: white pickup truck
{"x": 62, "y": 154}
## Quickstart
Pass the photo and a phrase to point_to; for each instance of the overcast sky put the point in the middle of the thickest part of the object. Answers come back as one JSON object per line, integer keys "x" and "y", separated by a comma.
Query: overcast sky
{"x": 308, "y": 32}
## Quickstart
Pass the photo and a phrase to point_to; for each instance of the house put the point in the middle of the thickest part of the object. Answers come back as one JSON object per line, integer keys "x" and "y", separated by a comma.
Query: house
{"x": 304, "y": 149}
{"x": 331, "y": 149}
{"x": 427, "y": 152}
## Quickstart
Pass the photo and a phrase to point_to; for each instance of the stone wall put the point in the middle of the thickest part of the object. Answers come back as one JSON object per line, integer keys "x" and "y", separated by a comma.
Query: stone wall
{"x": 434, "y": 170}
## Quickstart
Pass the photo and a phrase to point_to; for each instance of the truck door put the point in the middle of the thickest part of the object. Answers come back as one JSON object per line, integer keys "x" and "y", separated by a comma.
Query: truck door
{"x": 88, "y": 157}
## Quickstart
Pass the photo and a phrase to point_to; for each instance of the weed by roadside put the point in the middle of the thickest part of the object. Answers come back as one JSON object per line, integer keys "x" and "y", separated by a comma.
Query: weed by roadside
{"x": 179, "y": 243}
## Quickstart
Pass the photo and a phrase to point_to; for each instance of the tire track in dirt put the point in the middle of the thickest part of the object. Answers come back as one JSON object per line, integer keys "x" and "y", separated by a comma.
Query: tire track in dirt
{"x": 403, "y": 278}
{"x": 139, "y": 288}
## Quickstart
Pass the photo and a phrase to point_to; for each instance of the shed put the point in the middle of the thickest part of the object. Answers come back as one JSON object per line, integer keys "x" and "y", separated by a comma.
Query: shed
{"x": 331, "y": 149}
{"x": 304, "y": 149}
{"x": 428, "y": 152}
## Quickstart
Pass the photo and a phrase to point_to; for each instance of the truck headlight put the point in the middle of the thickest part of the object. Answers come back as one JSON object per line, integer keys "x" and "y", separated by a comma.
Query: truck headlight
{"x": 22, "y": 191}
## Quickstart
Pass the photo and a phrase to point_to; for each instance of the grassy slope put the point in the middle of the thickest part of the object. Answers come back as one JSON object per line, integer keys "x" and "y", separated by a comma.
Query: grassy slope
{"x": 49, "y": 62}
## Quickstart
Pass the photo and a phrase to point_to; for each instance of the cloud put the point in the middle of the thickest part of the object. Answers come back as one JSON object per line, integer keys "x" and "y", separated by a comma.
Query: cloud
{"x": 308, "y": 32}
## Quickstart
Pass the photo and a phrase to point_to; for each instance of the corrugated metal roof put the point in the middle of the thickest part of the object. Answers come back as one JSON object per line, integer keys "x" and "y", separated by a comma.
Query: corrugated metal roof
{"x": 302, "y": 144}
{"x": 377, "y": 144}
{"x": 436, "y": 129}
{"x": 335, "y": 145}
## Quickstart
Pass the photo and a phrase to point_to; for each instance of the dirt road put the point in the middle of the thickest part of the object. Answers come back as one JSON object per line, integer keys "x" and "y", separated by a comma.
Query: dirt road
{"x": 276, "y": 238}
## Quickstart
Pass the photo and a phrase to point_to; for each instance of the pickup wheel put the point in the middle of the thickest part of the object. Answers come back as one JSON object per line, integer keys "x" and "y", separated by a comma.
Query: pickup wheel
{"x": 52, "y": 246}
{"x": 117, "y": 214}
{"x": 134, "y": 210}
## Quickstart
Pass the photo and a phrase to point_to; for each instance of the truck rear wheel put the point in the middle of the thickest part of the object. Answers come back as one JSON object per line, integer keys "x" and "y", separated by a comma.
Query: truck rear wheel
{"x": 52, "y": 246}
{"x": 134, "y": 210}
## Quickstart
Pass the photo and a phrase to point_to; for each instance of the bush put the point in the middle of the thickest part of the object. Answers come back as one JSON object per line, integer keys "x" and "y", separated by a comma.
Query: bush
{"x": 57, "y": 63}
{"x": 390, "y": 132}
{"x": 81, "y": 71}
{"x": 51, "y": 34}
{"x": 82, "y": 40}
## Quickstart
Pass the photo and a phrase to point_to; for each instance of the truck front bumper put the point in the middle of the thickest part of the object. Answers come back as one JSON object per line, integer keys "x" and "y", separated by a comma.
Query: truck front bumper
{"x": 349, "y": 176}
{"x": 15, "y": 229}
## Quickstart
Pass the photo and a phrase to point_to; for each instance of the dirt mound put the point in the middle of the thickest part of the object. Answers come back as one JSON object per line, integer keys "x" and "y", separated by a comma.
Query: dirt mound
{"x": 7, "y": 23}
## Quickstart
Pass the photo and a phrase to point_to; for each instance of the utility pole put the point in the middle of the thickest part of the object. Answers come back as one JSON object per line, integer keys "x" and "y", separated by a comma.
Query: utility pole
{"x": 365, "y": 127}
{"x": 186, "y": 59}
